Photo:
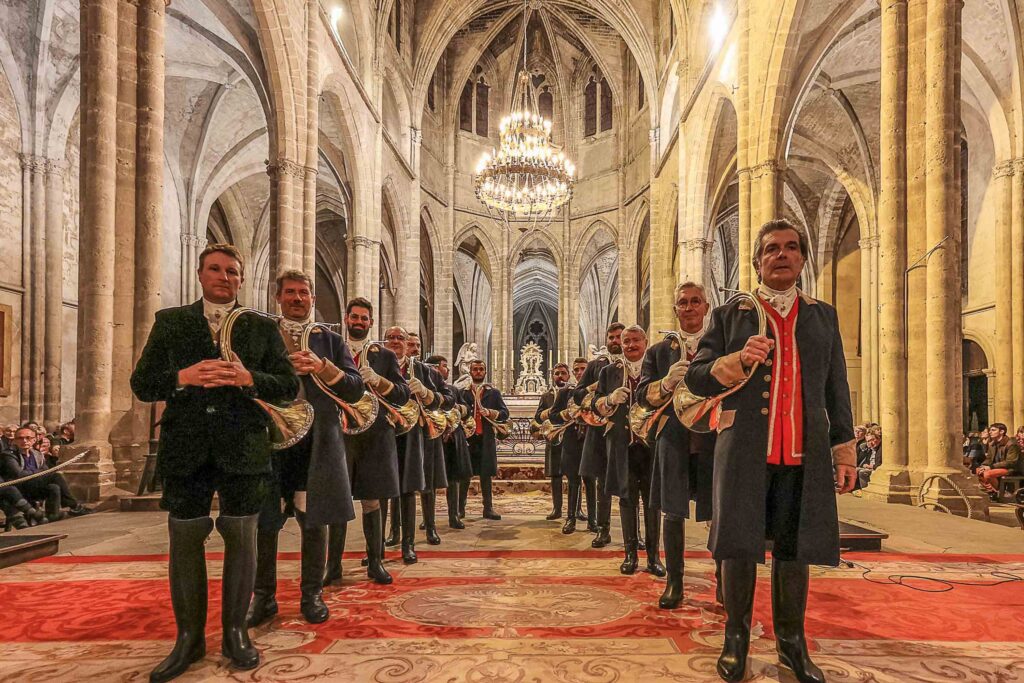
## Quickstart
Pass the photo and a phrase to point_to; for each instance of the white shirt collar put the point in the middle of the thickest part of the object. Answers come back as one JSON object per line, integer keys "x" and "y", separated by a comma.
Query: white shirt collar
{"x": 780, "y": 301}
{"x": 633, "y": 367}
{"x": 293, "y": 328}
{"x": 215, "y": 313}
{"x": 692, "y": 339}
{"x": 356, "y": 346}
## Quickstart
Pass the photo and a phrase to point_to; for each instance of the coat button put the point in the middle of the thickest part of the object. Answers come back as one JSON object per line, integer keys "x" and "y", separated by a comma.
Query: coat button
{"x": 764, "y": 411}
{"x": 768, "y": 362}
{"x": 211, "y": 410}
{"x": 765, "y": 395}
{"x": 767, "y": 378}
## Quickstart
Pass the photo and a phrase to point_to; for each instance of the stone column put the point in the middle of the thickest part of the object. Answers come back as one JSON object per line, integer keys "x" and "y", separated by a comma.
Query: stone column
{"x": 1003, "y": 175}
{"x": 867, "y": 369}
{"x": 286, "y": 182}
{"x": 917, "y": 390}
{"x": 444, "y": 295}
{"x": 627, "y": 284}
{"x": 312, "y": 137}
{"x": 942, "y": 305}
{"x": 407, "y": 260}
{"x": 93, "y": 477}
{"x": 746, "y": 274}
{"x": 54, "y": 342}
{"x": 34, "y": 306}
{"x": 1017, "y": 289}
{"x": 891, "y": 481}
{"x": 767, "y": 201}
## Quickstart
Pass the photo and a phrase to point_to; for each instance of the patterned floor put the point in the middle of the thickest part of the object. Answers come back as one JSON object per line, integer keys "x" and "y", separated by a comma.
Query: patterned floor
{"x": 516, "y": 601}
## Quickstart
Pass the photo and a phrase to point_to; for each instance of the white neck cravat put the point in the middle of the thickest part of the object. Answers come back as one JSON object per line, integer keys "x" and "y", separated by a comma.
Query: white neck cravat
{"x": 293, "y": 328}
{"x": 215, "y": 314}
{"x": 691, "y": 340}
{"x": 780, "y": 301}
{"x": 356, "y": 346}
{"x": 633, "y": 367}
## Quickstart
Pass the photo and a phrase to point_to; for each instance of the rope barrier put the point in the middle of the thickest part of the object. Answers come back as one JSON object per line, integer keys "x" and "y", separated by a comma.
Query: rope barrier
{"x": 43, "y": 473}
{"x": 921, "y": 503}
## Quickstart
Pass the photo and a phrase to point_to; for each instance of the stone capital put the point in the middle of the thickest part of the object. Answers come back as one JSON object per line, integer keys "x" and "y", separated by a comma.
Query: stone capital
{"x": 1018, "y": 166}
{"x": 55, "y": 167}
{"x": 764, "y": 168}
{"x": 1004, "y": 169}
{"x": 276, "y": 169}
{"x": 868, "y": 242}
{"x": 415, "y": 135}
{"x": 654, "y": 135}
{"x": 697, "y": 244}
{"x": 365, "y": 242}
{"x": 32, "y": 163}
{"x": 186, "y": 239}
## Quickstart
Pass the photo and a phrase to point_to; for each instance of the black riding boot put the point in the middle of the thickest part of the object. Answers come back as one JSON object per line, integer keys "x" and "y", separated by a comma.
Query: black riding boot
{"x": 311, "y": 581}
{"x": 452, "y": 496}
{"x": 488, "y": 495}
{"x": 627, "y": 515}
{"x": 590, "y": 493}
{"x": 336, "y": 534}
{"x": 236, "y": 588}
{"x": 718, "y": 583}
{"x": 674, "y": 538}
{"x": 574, "y": 501}
{"x": 187, "y": 573}
{"x": 739, "y": 578}
{"x": 556, "y": 500}
{"x": 789, "y": 602}
{"x": 429, "y": 517}
{"x": 264, "y": 595}
{"x": 395, "y": 537}
{"x": 53, "y": 511}
{"x": 373, "y": 530}
{"x": 652, "y": 538}
{"x": 604, "y": 516}
{"x": 408, "y": 501}
{"x": 463, "y": 495}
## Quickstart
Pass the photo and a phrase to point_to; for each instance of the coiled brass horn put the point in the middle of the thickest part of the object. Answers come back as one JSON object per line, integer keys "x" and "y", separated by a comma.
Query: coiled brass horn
{"x": 356, "y": 417}
{"x": 290, "y": 423}
{"x": 402, "y": 418}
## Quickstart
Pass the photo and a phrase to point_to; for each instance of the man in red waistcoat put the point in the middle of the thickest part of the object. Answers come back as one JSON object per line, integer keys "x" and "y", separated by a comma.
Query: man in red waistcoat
{"x": 785, "y": 446}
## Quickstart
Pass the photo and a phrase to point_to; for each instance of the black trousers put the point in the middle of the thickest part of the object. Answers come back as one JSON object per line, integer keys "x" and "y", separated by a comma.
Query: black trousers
{"x": 10, "y": 496}
{"x": 639, "y": 494}
{"x": 784, "y": 486}
{"x": 39, "y": 488}
{"x": 240, "y": 495}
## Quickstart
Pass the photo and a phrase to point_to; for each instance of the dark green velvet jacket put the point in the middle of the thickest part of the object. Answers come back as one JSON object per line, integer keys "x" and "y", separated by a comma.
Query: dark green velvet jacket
{"x": 221, "y": 426}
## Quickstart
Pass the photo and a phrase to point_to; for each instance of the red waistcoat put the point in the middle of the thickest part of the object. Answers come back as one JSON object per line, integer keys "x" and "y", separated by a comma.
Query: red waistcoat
{"x": 786, "y": 404}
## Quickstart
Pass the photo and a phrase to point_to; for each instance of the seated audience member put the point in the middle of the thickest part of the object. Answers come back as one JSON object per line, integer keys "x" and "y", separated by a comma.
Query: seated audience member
{"x": 872, "y": 459}
{"x": 1002, "y": 458}
{"x": 53, "y": 488}
{"x": 47, "y": 458}
{"x": 859, "y": 433}
{"x": 18, "y": 512}
{"x": 7, "y": 440}
{"x": 64, "y": 435}
{"x": 974, "y": 451}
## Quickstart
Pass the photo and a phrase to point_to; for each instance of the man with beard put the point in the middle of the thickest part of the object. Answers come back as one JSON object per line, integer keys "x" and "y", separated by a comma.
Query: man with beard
{"x": 785, "y": 446}
{"x": 683, "y": 460}
{"x": 311, "y": 477}
{"x": 594, "y": 461}
{"x": 629, "y": 459}
{"x": 457, "y": 465}
{"x": 553, "y": 450}
{"x": 434, "y": 473}
{"x": 572, "y": 447}
{"x": 372, "y": 456}
{"x": 412, "y": 444}
{"x": 214, "y": 439}
{"x": 488, "y": 405}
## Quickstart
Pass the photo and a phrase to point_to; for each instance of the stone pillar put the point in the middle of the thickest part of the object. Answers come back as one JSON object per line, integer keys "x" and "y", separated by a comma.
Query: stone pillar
{"x": 1017, "y": 289}
{"x": 627, "y": 284}
{"x": 917, "y": 391}
{"x": 444, "y": 295}
{"x": 765, "y": 204}
{"x": 312, "y": 137}
{"x": 942, "y": 304}
{"x": 891, "y": 481}
{"x": 286, "y": 183}
{"x": 1003, "y": 176}
{"x": 54, "y": 339}
{"x": 747, "y": 279}
{"x": 867, "y": 317}
{"x": 407, "y": 260}
{"x": 93, "y": 477}
{"x": 695, "y": 253}
{"x": 34, "y": 302}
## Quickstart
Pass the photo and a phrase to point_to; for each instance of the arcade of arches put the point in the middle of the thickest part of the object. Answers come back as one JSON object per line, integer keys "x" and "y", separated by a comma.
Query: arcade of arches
{"x": 340, "y": 136}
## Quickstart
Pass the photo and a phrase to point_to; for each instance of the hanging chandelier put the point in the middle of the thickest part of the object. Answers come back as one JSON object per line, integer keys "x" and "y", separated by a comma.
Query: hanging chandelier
{"x": 527, "y": 179}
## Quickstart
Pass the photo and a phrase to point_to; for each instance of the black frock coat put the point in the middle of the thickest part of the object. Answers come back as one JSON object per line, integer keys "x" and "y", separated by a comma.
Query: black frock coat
{"x": 374, "y": 453}
{"x": 738, "y": 528}
{"x": 683, "y": 460}
{"x": 222, "y": 426}
{"x": 434, "y": 472}
{"x": 483, "y": 448}
{"x": 572, "y": 437}
{"x": 328, "y": 490}
{"x": 457, "y": 465}
{"x": 414, "y": 448}
{"x": 594, "y": 460}
{"x": 621, "y": 449}
{"x": 552, "y": 452}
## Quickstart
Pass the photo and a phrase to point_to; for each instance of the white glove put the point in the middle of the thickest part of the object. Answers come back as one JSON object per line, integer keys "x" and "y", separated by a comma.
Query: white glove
{"x": 416, "y": 387}
{"x": 369, "y": 376}
{"x": 675, "y": 374}
{"x": 618, "y": 397}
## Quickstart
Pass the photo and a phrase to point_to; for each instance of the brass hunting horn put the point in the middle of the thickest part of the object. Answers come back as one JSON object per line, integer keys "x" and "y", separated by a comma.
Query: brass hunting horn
{"x": 356, "y": 417}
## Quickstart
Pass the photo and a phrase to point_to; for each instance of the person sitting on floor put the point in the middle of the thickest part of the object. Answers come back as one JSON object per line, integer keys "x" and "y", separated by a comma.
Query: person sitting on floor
{"x": 1001, "y": 459}
{"x": 53, "y": 488}
{"x": 872, "y": 456}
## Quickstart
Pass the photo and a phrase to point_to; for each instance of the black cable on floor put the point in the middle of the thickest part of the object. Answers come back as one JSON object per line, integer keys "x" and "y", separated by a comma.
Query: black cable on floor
{"x": 944, "y": 585}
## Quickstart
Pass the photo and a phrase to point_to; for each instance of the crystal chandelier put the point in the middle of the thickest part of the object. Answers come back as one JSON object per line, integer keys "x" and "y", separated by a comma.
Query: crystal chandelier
{"x": 527, "y": 178}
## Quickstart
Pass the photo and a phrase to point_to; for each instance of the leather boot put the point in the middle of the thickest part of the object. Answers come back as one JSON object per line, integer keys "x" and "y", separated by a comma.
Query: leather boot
{"x": 264, "y": 595}
{"x": 452, "y": 496}
{"x": 311, "y": 581}
{"x": 674, "y": 537}
{"x": 574, "y": 501}
{"x": 652, "y": 532}
{"x": 603, "y": 538}
{"x": 429, "y": 517}
{"x": 373, "y": 531}
{"x": 187, "y": 573}
{"x": 423, "y": 509}
{"x": 236, "y": 588}
{"x": 718, "y": 583}
{"x": 336, "y": 534}
{"x": 629, "y": 564}
{"x": 408, "y": 502}
{"x": 556, "y": 500}
{"x": 463, "y": 495}
{"x": 31, "y": 514}
{"x": 53, "y": 511}
{"x": 488, "y": 495}
{"x": 395, "y": 537}
{"x": 739, "y": 578}
{"x": 789, "y": 602}
{"x": 590, "y": 493}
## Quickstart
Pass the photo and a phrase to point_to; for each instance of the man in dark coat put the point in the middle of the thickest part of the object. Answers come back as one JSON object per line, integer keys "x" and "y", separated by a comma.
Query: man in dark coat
{"x": 457, "y": 466}
{"x": 434, "y": 473}
{"x": 372, "y": 454}
{"x": 629, "y": 459}
{"x": 594, "y": 460}
{"x": 785, "y": 446}
{"x": 564, "y": 410}
{"x": 23, "y": 460}
{"x": 214, "y": 438}
{"x": 311, "y": 477}
{"x": 553, "y": 449}
{"x": 684, "y": 460}
{"x": 488, "y": 407}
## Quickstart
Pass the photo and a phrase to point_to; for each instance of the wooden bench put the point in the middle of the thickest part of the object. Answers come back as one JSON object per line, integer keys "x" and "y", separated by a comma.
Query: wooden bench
{"x": 1010, "y": 484}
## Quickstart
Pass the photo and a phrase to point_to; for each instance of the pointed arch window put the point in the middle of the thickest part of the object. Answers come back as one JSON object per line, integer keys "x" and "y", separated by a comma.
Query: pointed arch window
{"x": 597, "y": 105}
{"x": 546, "y": 102}
{"x": 430, "y": 94}
{"x": 640, "y": 89}
{"x": 395, "y": 24}
{"x": 474, "y": 104}
{"x": 466, "y": 108}
{"x": 482, "y": 91}
{"x": 590, "y": 108}
{"x": 606, "y": 105}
